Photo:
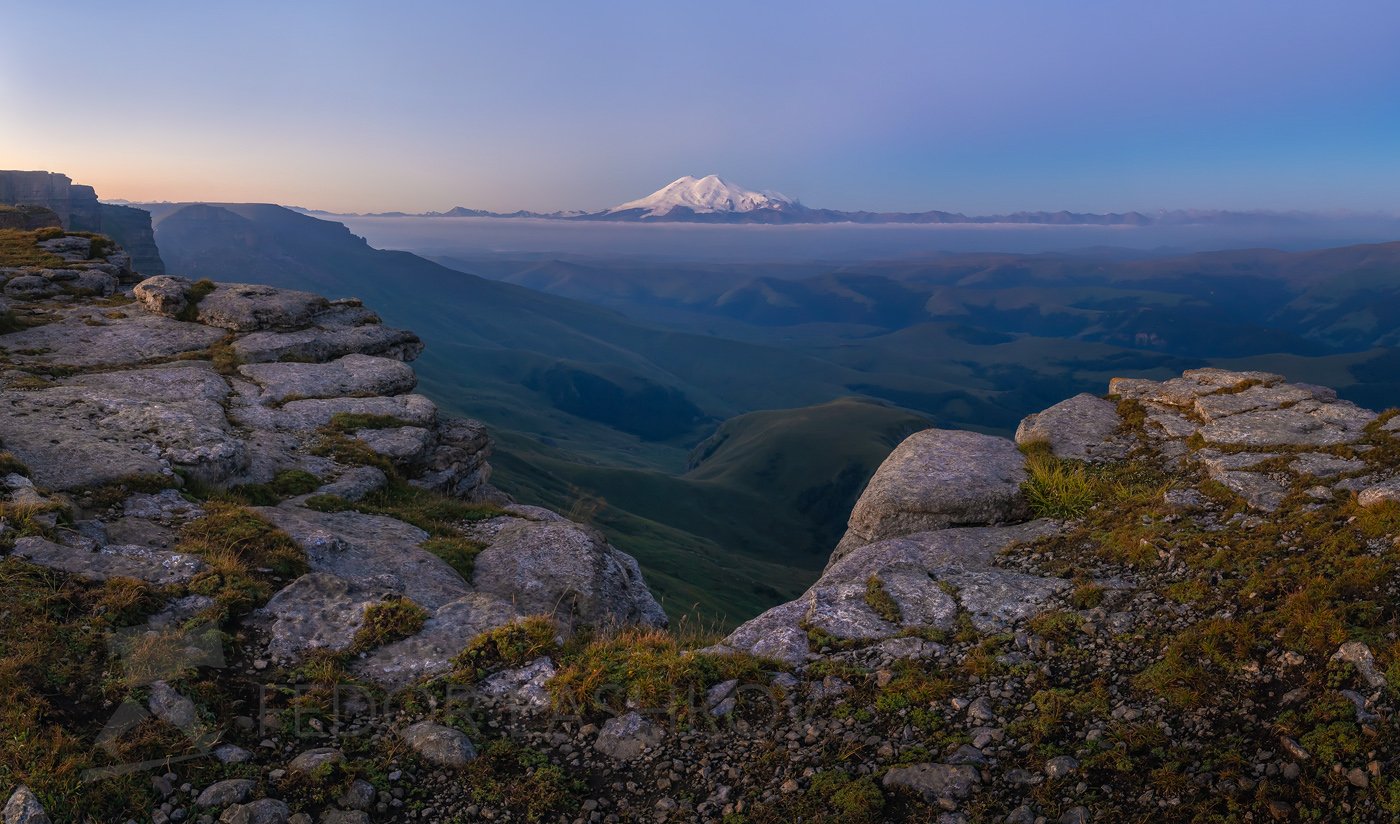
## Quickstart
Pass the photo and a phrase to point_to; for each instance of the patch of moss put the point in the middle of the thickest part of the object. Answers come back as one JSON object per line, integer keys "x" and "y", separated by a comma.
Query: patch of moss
{"x": 347, "y": 422}
{"x": 247, "y": 556}
{"x": 459, "y": 553}
{"x": 199, "y": 290}
{"x": 880, "y": 601}
{"x": 388, "y": 621}
{"x": 512, "y": 645}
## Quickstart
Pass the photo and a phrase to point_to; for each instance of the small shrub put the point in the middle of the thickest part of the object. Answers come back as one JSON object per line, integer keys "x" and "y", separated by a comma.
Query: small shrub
{"x": 1055, "y": 624}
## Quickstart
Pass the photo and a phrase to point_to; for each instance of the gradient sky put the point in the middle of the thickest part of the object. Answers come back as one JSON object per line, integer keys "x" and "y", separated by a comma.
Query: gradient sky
{"x": 979, "y": 106}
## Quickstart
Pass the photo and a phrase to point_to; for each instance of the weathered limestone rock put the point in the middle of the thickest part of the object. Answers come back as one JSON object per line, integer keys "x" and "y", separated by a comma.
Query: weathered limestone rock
{"x": 567, "y": 570}
{"x": 143, "y": 563}
{"x": 307, "y": 415}
{"x": 226, "y": 792}
{"x": 439, "y": 745}
{"x": 354, "y": 547}
{"x": 317, "y": 611}
{"x": 246, "y": 307}
{"x": 1083, "y": 428}
{"x": 164, "y": 295}
{"x": 934, "y": 782}
{"x": 171, "y": 707}
{"x": 84, "y": 338}
{"x": 262, "y": 811}
{"x": 320, "y": 344}
{"x": 524, "y": 686}
{"x": 1325, "y": 466}
{"x": 936, "y": 479}
{"x": 23, "y": 807}
{"x": 626, "y": 737}
{"x": 355, "y": 483}
{"x": 1380, "y": 493}
{"x": 445, "y": 634}
{"x": 351, "y": 375}
{"x": 775, "y": 634}
{"x": 314, "y": 759}
{"x": 1309, "y": 423}
{"x": 100, "y": 428}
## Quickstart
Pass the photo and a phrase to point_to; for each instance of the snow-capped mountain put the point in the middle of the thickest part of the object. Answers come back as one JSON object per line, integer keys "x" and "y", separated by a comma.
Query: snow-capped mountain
{"x": 701, "y": 196}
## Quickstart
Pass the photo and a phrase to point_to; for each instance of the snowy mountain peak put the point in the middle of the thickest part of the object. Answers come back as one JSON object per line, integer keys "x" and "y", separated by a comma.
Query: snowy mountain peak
{"x": 703, "y": 195}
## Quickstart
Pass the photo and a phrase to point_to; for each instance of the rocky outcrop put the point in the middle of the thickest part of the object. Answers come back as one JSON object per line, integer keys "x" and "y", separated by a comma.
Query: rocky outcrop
{"x": 198, "y": 386}
{"x": 79, "y": 210}
{"x": 937, "y": 479}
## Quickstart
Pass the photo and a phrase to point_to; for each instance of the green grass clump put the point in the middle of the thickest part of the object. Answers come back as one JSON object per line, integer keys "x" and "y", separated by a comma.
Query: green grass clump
{"x": 286, "y": 484}
{"x": 647, "y": 667}
{"x": 347, "y": 422}
{"x": 248, "y": 557}
{"x": 54, "y": 637}
{"x": 1057, "y": 488}
{"x": 508, "y": 774}
{"x": 199, "y": 290}
{"x": 433, "y": 512}
{"x": 10, "y": 465}
{"x": 21, "y": 248}
{"x": 388, "y": 621}
{"x": 880, "y": 601}
{"x": 1055, "y": 624}
{"x": 459, "y": 553}
{"x": 329, "y": 503}
{"x": 1086, "y": 596}
{"x": 512, "y": 645}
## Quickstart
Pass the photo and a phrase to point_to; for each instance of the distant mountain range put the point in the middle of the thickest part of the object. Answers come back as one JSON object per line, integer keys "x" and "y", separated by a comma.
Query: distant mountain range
{"x": 711, "y": 199}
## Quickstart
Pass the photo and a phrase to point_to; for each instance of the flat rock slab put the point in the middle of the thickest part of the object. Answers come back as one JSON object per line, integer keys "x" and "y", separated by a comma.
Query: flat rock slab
{"x": 321, "y": 344}
{"x": 564, "y": 569}
{"x": 346, "y": 376}
{"x": 117, "y": 561}
{"x": 138, "y": 338}
{"x": 1317, "y": 465}
{"x": 246, "y": 307}
{"x": 936, "y": 479}
{"x": 443, "y": 636}
{"x": 1214, "y": 407}
{"x": 1083, "y": 428}
{"x": 100, "y": 428}
{"x": 1310, "y": 423}
{"x": 301, "y": 416}
{"x": 316, "y": 611}
{"x": 370, "y": 549}
{"x": 961, "y": 547}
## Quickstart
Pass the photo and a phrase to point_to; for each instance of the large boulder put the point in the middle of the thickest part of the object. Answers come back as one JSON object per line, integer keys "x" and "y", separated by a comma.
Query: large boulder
{"x": 245, "y": 307}
{"x": 445, "y": 634}
{"x": 565, "y": 569}
{"x": 1084, "y": 428}
{"x": 937, "y": 479}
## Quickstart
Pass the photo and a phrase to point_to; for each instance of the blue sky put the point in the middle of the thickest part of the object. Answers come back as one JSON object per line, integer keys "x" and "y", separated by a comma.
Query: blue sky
{"x": 980, "y": 106}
